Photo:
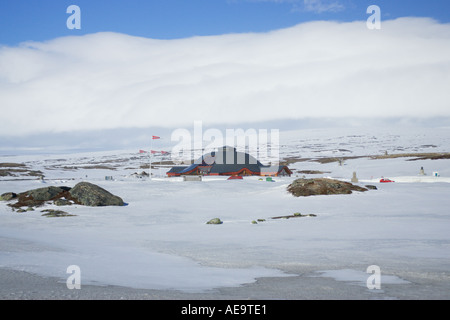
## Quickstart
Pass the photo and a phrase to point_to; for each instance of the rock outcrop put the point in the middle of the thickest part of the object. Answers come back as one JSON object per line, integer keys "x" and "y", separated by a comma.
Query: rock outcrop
{"x": 8, "y": 196}
{"x": 45, "y": 194}
{"x": 84, "y": 193}
{"x": 321, "y": 186}
{"x": 215, "y": 221}
{"x": 89, "y": 194}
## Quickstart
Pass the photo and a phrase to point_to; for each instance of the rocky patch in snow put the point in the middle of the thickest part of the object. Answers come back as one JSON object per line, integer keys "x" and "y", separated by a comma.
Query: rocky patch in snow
{"x": 83, "y": 193}
{"x": 321, "y": 186}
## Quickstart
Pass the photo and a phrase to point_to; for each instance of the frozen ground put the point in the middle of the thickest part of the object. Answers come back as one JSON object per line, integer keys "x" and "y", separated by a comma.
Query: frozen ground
{"x": 160, "y": 247}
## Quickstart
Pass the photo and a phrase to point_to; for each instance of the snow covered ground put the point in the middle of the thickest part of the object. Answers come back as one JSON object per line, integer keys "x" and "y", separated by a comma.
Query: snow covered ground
{"x": 160, "y": 240}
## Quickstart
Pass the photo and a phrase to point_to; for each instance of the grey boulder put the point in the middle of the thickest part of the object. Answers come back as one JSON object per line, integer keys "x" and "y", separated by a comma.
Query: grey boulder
{"x": 8, "y": 196}
{"x": 89, "y": 194}
{"x": 45, "y": 194}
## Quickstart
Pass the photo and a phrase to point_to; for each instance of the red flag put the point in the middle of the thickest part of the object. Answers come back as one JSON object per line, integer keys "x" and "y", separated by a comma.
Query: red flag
{"x": 155, "y": 137}
{"x": 142, "y": 151}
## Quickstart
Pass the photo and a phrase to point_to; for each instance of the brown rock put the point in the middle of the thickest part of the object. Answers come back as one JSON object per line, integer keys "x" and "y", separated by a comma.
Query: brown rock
{"x": 321, "y": 186}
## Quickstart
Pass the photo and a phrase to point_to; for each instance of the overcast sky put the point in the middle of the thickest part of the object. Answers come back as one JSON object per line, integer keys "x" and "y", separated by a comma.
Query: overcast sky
{"x": 166, "y": 64}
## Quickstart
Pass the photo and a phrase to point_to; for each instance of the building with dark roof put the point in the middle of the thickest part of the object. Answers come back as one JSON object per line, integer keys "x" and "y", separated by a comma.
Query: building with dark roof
{"x": 226, "y": 161}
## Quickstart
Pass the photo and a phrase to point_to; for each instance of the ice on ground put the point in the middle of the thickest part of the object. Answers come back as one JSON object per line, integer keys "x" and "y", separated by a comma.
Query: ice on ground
{"x": 120, "y": 265}
{"x": 161, "y": 239}
{"x": 359, "y": 277}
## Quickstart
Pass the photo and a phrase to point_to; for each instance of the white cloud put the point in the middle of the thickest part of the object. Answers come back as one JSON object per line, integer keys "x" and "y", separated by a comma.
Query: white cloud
{"x": 319, "y": 6}
{"x": 316, "y": 6}
{"x": 317, "y": 69}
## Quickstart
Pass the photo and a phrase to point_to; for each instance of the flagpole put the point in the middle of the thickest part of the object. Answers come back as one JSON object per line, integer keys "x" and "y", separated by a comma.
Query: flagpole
{"x": 151, "y": 155}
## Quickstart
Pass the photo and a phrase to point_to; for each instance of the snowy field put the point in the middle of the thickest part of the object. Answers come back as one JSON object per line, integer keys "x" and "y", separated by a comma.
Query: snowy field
{"x": 160, "y": 239}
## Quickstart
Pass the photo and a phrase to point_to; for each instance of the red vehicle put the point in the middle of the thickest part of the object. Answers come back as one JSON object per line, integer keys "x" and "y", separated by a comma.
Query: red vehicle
{"x": 384, "y": 180}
